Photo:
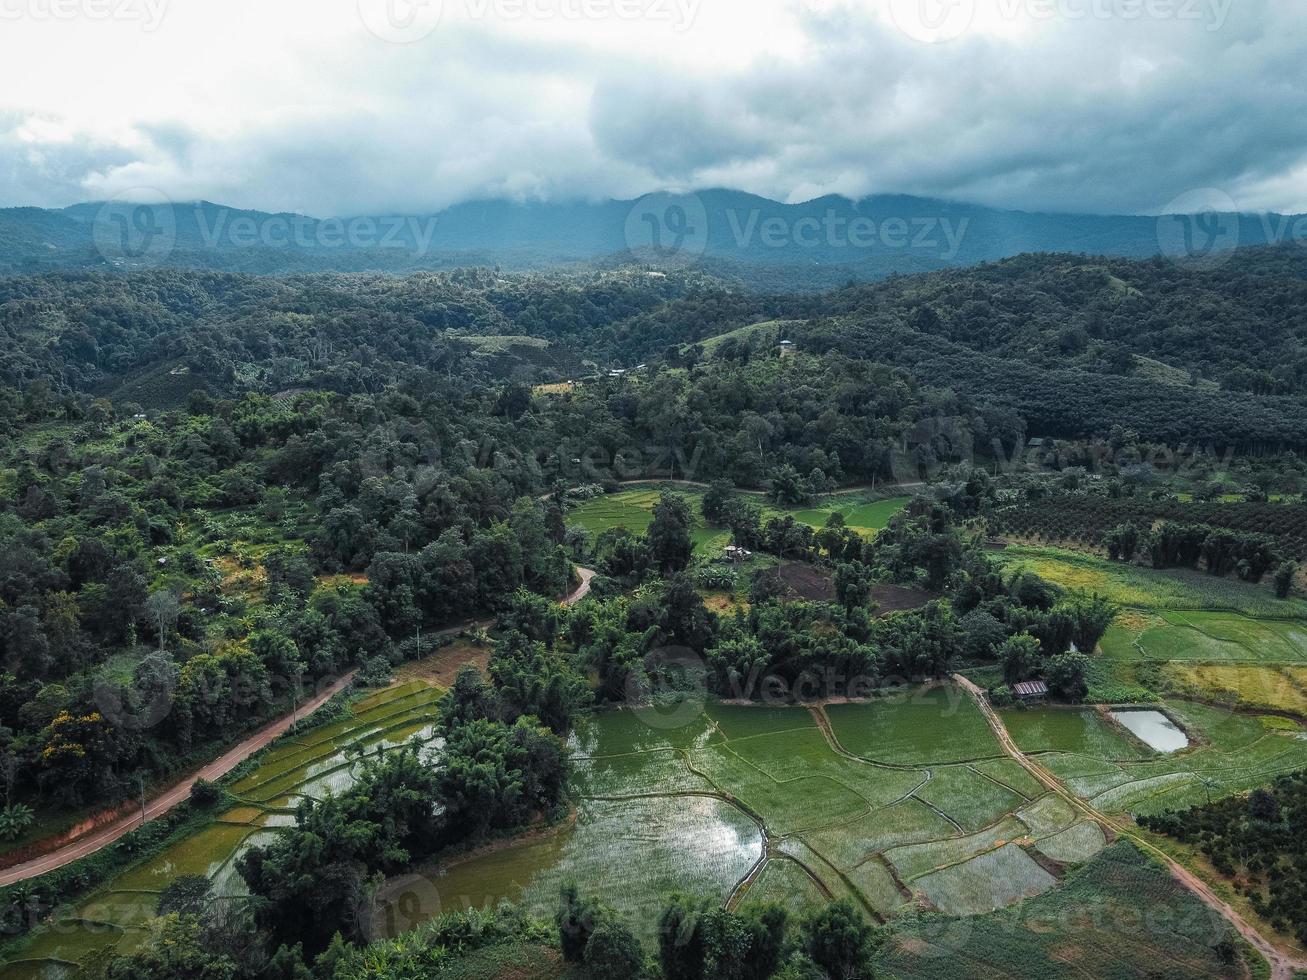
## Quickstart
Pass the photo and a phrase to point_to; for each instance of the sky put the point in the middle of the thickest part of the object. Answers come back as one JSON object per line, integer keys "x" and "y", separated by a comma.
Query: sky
{"x": 344, "y": 107}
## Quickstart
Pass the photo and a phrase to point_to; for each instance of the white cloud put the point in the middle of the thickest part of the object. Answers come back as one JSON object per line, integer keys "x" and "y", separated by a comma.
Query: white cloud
{"x": 1053, "y": 104}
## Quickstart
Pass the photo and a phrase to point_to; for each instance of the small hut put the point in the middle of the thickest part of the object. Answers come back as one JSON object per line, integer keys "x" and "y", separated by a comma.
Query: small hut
{"x": 1031, "y": 692}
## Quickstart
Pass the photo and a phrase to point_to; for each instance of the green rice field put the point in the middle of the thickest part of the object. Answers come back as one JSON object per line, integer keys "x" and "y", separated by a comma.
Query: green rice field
{"x": 906, "y": 805}
{"x": 1185, "y": 633}
{"x": 633, "y": 509}
{"x": 309, "y": 765}
{"x": 1089, "y": 926}
{"x": 905, "y": 798}
{"x": 1230, "y": 752}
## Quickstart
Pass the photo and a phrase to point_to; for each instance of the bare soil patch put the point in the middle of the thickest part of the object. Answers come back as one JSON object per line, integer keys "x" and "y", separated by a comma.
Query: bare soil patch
{"x": 898, "y": 598}
{"x": 440, "y": 669}
{"x": 798, "y": 581}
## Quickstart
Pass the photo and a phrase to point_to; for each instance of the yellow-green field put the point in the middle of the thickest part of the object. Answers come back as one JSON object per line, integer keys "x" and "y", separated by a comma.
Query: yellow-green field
{"x": 309, "y": 765}
{"x": 633, "y": 509}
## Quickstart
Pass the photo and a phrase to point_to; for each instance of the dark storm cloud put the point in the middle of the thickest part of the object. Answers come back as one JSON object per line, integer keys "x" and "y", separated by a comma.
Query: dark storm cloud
{"x": 1088, "y": 108}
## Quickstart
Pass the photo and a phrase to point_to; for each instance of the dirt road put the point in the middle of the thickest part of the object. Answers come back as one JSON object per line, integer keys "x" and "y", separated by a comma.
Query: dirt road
{"x": 161, "y": 804}
{"x": 1283, "y": 966}
{"x": 582, "y": 590}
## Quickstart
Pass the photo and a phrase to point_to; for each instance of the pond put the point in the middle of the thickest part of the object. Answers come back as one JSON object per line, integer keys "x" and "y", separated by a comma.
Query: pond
{"x": 1154, "y": 729}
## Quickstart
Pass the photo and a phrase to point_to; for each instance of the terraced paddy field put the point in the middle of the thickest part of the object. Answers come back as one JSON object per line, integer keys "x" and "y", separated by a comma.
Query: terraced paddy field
{"x": 1119, "y": 916}
{"x": 1186, "y": 633}
{"x": 1230, "y": 752}
{"x": 902, "y": 804}
{"x": 885, "y": 802}
{"x": 633, "y": 509}
{"x": 309, "y": 765}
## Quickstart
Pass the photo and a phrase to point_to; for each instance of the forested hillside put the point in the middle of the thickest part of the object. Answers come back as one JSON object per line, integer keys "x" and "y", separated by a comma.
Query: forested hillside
{"x": 1072, "y": 346}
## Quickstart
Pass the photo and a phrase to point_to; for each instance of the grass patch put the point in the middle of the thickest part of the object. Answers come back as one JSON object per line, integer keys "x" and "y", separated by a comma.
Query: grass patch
{"x": 1119, "y": 916}
{"x": 934, "y": 725}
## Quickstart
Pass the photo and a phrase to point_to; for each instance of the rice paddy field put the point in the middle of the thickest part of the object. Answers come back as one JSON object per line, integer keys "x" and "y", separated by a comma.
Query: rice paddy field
{"x": 903, "y": 799}
{"x": 1119, "y": 916}
{"x": 1186, "y": 634}
{"x": 309, "y": 765}
{"x": 632, "y": 509}
{"x": 1229, "y": 752}
{"x": 906, "y": 804}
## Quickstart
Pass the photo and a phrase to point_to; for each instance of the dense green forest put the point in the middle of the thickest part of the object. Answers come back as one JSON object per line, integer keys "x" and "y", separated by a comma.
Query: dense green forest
{"x": 1068, "y": 345}
{"x": 219, "y": 493}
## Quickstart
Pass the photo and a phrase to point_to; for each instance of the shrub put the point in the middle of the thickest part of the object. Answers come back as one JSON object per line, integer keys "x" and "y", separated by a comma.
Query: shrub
{"x": 205, "y": 794}
{"x": 613, "y": 952}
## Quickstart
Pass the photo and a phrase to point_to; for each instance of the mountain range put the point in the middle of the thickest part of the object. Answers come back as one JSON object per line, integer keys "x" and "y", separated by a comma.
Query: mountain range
{"x": 817, "y": 243}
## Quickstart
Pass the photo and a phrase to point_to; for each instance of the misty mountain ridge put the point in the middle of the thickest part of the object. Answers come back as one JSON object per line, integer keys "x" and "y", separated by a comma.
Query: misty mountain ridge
{"x": 815, "y": 243}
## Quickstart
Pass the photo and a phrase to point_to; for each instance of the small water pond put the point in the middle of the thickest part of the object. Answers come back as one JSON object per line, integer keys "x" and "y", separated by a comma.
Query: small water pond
{"x": 1154, "y": 729}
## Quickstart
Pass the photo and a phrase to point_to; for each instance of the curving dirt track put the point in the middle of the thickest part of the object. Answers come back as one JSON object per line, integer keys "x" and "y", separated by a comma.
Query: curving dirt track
{"x": 161, "y": 804}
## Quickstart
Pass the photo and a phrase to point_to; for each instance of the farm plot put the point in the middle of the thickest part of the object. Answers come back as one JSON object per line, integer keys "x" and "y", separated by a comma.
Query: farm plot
{"x": 1208, "y": 636}
{"x": 1146, "y": 588}
{"x": 1082, "y": 731}
{"x": 1211, "y": 638}
{"x": 932, "y": 725}
{"x": 117, "y": 914}
{"x": 836, "y": 823}
{"x": 1091, "y": 926}
{"x": 1248, "y": 686}
{"x": 990, "y": 881}
{"x": 633, "y": 510}
{"x": 1233, "y": 753}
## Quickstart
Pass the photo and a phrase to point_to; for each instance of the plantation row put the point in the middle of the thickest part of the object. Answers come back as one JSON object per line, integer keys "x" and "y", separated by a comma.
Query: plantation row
{"x": 1089, "y": 517}
{"x": 1260, "y": 838}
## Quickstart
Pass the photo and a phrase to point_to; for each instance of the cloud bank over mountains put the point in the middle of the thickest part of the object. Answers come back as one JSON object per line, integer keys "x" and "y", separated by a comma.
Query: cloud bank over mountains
{"x": 373, "y": 106}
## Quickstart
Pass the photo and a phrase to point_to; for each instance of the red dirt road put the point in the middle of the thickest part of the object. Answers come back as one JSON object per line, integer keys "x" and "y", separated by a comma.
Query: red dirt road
{"x": 161, "y": 804}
